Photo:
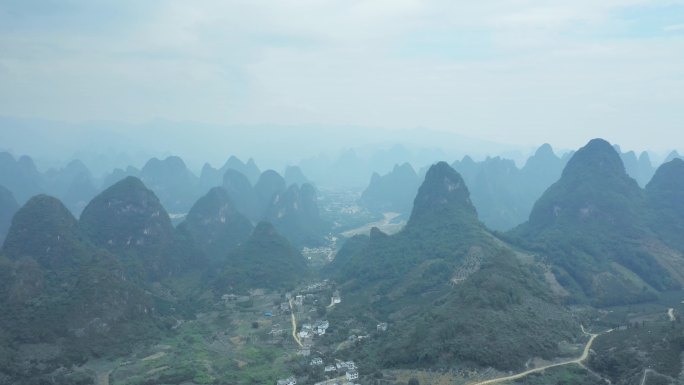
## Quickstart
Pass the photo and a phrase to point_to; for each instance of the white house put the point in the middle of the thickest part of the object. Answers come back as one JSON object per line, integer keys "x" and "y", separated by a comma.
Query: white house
{"x": 316, "y": 361}
{"x": 287, "y": 381}
{"x": 352, "y": 375}
{"x": 382, "y": 327}
{"x": 304, "y": 334}
{"x": 330, "y": 368}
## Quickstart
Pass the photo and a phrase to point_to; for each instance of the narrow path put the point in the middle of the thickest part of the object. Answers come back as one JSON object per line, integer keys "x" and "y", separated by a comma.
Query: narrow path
{"x": 331, "y": 303}
{"x": 670, "y": 313}
{"x": 654, "y": 373}
{"x": 643, "y": 379}
{"x": 103, "y": 377}
{"x": 578, "y": 361}
{"x": 294, "y": 325}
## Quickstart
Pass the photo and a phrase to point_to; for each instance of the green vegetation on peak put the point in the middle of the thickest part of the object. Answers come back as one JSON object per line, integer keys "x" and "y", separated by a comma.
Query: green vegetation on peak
{"x": 449, "y": 288}
{"x": 265, "y": 260}
{"x": 215, "y": 225}
{"x": 665, "y": 195}
{"x": 443, "y": 200}
{"x": 129, "y": 220}
{"x": 45, "y": 230}
{"x": 126, "y": 215}
{"x": 592, "y": 225}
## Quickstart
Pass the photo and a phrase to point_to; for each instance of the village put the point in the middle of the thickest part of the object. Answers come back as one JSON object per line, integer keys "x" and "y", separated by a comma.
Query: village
{"x": 308, "y": 330}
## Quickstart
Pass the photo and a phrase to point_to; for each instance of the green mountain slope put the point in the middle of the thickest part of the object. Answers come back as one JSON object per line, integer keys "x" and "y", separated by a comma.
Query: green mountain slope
{"x": 128, "y": 220}
{"x": 665, "y": 195}
{"x": 593, "y": 226}
{"x": 453, "y": 293}
{"x": 59, "y": 291}
{"x": 215, "y": 226}
{"x": 265, "y": 260}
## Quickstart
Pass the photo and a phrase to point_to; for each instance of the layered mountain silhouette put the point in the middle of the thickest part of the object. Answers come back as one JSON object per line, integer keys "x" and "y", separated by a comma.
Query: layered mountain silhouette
{"x": 442, "y": 279}
{"x": 265, "y": 260}
{"x": 665, "y": 196}
{"x": 394, "y": 191}
{"x": 8, "y": 206}
{"x": 242, "y": 194}
{"x": 293, "y": 210}
{"x": 215, "y": 225}
{"x": 593, "y": 224}
{"x": 294, "y": 213}
{"x": 20, "y": 176}
{"x": 74, "y": 185}
{"x": 212, "y": 177}
{"x": 269, "y": 183}
{"x": 639, "y": 168}
{"x": 294, "y": 175}
{"x": 504, "y": 194}
{"x": 172, "y": 182}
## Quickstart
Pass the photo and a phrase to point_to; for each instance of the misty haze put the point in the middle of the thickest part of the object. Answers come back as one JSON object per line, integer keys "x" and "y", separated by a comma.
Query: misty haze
{"x": 335, "y": 192}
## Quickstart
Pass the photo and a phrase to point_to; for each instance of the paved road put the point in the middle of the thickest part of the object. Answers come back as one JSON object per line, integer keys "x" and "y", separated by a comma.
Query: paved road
{"x": 577, "y": 361}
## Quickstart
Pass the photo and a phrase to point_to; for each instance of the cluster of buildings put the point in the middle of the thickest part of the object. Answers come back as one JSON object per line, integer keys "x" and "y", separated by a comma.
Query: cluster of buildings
{"x": 287, "y": 381}
{"x": 347, "y": 367}
{"x": 317, "y": 329}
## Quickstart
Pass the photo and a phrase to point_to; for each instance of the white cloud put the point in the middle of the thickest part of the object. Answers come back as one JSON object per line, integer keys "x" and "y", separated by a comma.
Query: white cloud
{"x": 491, "y": 66}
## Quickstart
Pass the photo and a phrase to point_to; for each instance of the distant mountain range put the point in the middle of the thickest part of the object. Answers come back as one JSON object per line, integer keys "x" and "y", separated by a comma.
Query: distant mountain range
{"x": 451, "y": 288}
{"x": 502, "y": 193}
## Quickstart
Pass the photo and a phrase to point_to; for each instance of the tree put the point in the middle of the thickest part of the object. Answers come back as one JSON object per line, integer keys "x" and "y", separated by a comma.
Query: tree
{"x": 413, "y": 381}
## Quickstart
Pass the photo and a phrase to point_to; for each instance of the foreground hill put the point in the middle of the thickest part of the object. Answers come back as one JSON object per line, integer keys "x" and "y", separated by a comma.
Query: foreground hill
{"x": 61, "y": 292}
{"x": 449, "y": 288}
{"x": 593, "y": 226}
{"x": 128, "y": 219}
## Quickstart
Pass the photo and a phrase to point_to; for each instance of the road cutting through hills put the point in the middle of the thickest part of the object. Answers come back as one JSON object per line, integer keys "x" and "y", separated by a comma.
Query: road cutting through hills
{"x": 577, "y": 361}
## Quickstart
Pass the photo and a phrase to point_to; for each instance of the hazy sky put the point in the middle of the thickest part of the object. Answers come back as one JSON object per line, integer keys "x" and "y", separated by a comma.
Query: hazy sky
{"x": 519, "y": 71}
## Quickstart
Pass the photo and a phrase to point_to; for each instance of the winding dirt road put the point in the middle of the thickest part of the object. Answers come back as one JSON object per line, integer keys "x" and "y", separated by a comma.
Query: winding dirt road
{"x": 577, "y": 361}
{"x": 294, "y": 326}
{"x": 670, "y": 313}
